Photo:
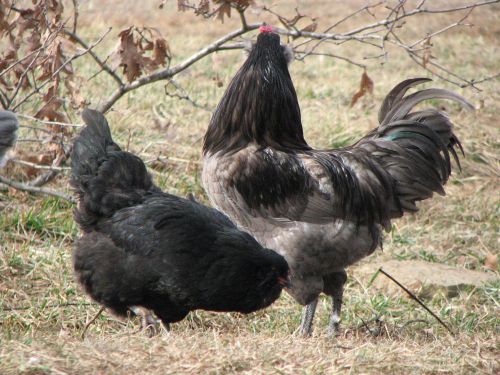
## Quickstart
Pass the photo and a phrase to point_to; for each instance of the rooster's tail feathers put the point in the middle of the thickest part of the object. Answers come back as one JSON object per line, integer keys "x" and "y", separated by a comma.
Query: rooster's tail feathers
{"x": 428, "y": 130}
{"x": 396, "y": 106}
{"x": 417, "y": 144}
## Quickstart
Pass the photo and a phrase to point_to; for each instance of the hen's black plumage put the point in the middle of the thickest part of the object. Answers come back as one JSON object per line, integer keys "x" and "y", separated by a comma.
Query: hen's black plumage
{"x": 143, "y": 247}
{"x": 321, "y": 209}
{"x": 8, "y": 133}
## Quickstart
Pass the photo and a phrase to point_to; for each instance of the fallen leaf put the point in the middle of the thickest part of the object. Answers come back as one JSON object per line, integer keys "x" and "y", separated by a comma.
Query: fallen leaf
{"x": 491, "y": 262}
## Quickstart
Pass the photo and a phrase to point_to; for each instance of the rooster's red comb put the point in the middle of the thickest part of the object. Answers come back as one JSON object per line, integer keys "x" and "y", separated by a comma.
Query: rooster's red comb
{"x": 266, "y": 29}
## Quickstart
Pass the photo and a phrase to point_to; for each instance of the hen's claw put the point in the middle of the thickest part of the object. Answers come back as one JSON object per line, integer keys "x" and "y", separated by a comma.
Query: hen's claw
{"x": 148, "y": 322}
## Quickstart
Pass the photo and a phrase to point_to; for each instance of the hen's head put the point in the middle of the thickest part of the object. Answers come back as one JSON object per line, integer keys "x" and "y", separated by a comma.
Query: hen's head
{"x": 260, "y": 105}
{"x": 270, "y": 275}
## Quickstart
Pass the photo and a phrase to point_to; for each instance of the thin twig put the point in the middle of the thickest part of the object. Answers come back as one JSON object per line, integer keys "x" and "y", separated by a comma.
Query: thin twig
{"x": 98, "y": 60}
{"x": 241, "y": 12}
{"x": 36, "y": 190}
{"x": 182, "y": 94}
{"x": 415, "y": 298}
{"x": 49, "y": 175}
{"x": 387, "y": 22}
{"x": 413, "y": 322}
{"x": 40, "y": 166}
{"x": 172, "y": 71}
{"x": 366, "y": 34}
{"x": 92, "y": 321}
{"x": 57, "y": 305}
{"x": 61, "y": 67}
{"x": 444, "y": 29}
{"x": 366, "y": 326}
{"x": 63, "y": 124}
{"x": 305, "y": 54}
{"x": 75, "y": 15}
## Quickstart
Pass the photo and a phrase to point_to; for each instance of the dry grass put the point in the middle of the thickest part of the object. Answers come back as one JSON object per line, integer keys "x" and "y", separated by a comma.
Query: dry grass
{"x": 42, "y": 311}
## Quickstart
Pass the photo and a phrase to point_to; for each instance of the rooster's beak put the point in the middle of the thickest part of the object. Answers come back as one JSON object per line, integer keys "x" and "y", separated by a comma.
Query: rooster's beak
{"x": 284, "y": 281}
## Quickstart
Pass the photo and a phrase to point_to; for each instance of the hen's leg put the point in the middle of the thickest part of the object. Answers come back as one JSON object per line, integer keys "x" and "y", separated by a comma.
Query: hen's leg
{"x": 148, "y": 322}
{"x": 334, "y": 287}
{"x": 307, "y": 318}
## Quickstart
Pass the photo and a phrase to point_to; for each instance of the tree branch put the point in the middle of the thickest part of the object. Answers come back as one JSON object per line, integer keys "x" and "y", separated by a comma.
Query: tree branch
{"x": 97, "y": 59}
{"x": 63, "y": 65}
{"x": 172, "y": 71}
{"x": 36, "y": 190}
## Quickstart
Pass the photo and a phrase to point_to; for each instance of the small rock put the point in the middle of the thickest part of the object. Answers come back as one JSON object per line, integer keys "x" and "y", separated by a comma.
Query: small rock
{"x": 422, "y": 278}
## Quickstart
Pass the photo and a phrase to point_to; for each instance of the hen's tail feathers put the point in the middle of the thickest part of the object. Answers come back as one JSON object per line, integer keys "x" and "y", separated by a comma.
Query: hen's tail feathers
{"x": 105, "y": 178}
{"x": 418, "y": 144}
{"x": 101, "y": 268}
{"x": 8, "y": 133}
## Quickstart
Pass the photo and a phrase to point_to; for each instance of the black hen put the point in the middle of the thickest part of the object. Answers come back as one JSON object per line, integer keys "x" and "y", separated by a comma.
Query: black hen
{"x": 143, "y": 247}
{"x": 8, "y": 133}
{"x": 322, "y": 209}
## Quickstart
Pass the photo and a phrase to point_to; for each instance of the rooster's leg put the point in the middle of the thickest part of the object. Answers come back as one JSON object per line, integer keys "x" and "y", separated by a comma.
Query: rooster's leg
{"x": 307, "y": 318}
{"x": 334, "y": 287}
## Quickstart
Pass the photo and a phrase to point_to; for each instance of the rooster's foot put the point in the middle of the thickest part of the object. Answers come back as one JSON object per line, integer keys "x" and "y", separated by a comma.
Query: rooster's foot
{"x": 306, "y": 328}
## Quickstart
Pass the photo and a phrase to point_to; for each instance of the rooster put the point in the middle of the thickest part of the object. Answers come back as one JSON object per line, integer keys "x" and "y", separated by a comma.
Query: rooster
{"x": 145, "y": 248}
{"x": 8, "y": 134}
{"x": 323, "y": 210}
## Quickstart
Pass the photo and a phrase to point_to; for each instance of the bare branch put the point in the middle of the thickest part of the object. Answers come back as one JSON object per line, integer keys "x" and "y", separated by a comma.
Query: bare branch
{"x": 40, "y": 166}
{"x": 444, "y": 29}
{"x": 241, "y": 13}
{"x": 182, "y": 94}
{"x": 92, "y": 321}
{"x": 415, "y": 298}
{"x": 366, "y": 34}
{"x": 387, "y": 22}
{"x": 68, "y": 61}
{"x": 98, "y": 60}
{"x": 63, "y": 124}
{"x": 170, "y": 72}
{"x": 305, "y": 54}
{"x": 36, "y": 190}
{"x": 75, "y": 15}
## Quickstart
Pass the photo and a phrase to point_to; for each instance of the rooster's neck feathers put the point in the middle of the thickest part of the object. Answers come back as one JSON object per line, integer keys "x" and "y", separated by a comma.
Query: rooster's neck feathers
{"x": 260, "y": 105}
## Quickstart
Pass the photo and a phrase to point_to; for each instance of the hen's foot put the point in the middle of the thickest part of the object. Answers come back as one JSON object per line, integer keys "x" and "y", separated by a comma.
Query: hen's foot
{"x": 149, "y": 324}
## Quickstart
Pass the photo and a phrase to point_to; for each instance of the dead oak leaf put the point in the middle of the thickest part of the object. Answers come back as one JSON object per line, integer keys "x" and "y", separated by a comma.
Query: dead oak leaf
{"x": 50, "y": 110}
{"x": 311, "y": 27}
{"x": 366, "y": 86}
{"x": 161, "y": 52}
{"x": 130, "y": 55}
{"x": 223, "y": 10}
